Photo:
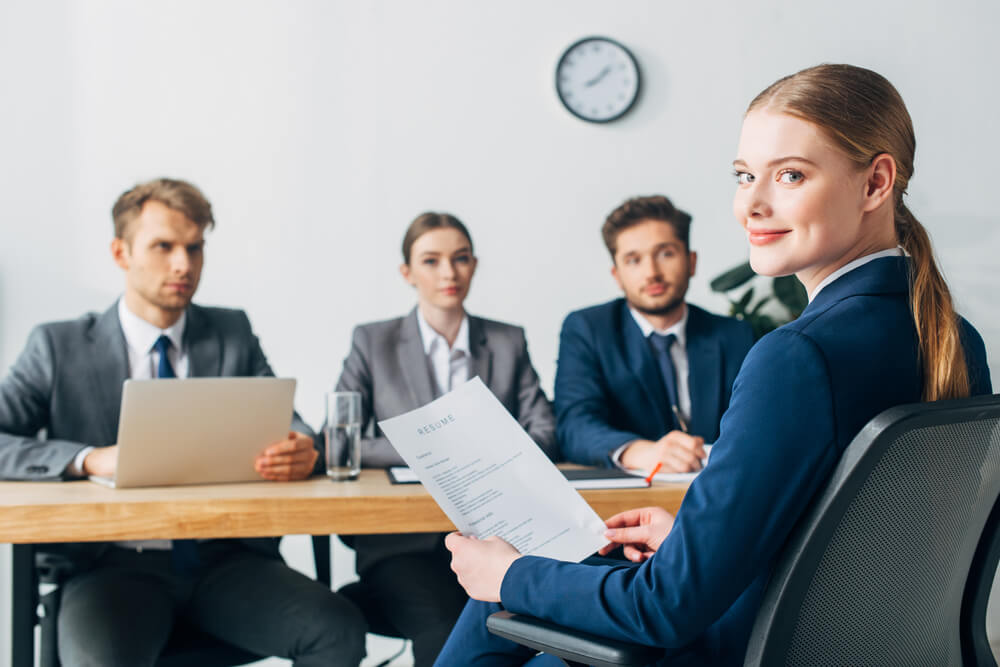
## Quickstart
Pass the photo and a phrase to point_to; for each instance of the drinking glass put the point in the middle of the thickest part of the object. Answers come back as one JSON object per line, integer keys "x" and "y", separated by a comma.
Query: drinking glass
{"x": 342, "y": 430}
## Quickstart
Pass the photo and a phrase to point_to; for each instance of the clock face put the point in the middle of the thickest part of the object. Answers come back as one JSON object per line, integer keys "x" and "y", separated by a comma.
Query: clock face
{"x": 597, "y": 79}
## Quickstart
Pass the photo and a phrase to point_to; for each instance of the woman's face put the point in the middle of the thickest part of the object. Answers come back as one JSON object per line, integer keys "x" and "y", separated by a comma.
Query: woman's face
{"x": 441, "y": 267}
{"x": 799, "y": 198}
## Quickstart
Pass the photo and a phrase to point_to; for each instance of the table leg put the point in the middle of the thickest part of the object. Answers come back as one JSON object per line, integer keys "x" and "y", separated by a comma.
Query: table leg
{"x": 24, "y": 605}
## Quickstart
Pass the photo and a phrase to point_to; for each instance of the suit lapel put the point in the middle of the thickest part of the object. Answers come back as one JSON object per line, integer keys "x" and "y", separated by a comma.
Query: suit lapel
{"x": 640, "y": 360}
{"x": 204, "y": 349}
{"x": 413, "y": 361}
{"x": 481, "y": 362}
{"x": 109, "y": 369}
{"x": 704, "y": 355}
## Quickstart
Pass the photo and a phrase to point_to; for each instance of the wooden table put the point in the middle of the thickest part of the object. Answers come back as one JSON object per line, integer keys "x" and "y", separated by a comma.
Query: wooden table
{"x": 33, "y": 512}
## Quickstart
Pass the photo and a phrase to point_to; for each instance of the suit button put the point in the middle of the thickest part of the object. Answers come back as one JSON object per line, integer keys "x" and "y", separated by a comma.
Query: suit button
{"x": 38, "y": 468}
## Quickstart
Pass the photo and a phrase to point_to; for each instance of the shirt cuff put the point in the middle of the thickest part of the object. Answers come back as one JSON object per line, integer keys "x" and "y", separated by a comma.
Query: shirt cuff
{"x": 75, "y": 467}
{"x": 616, "y": 456}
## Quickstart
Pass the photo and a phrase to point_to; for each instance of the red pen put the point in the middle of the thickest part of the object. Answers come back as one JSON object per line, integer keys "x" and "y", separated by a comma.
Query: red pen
{"x": 656, "y": 469}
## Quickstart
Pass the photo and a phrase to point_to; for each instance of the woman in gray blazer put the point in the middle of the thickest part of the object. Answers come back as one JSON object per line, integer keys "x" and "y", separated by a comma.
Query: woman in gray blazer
{"x": 403, "y": 363}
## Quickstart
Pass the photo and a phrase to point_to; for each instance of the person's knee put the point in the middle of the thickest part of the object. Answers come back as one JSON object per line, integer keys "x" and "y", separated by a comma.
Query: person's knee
{"x": 79, "y": 649}
{"x": 92, "y": 630}
{"x": 334, "y": 627}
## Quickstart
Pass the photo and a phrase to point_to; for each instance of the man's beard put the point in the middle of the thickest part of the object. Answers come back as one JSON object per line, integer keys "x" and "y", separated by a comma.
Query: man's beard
{"x": 667, "y": 309}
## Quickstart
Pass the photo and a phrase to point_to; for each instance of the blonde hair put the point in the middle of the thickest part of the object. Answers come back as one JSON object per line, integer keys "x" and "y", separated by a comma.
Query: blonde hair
{"x": 863, "y": 114}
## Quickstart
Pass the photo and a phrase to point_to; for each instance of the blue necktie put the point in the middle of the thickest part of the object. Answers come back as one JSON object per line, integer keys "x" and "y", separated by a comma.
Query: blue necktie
{"x": 661, "y": 345}
{"x": 184, "y": 553}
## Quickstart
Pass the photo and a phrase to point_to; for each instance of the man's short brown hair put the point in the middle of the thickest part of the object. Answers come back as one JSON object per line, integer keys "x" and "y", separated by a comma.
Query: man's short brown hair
{"x": 179, "y": 195}
{"x": 640, "y": 209}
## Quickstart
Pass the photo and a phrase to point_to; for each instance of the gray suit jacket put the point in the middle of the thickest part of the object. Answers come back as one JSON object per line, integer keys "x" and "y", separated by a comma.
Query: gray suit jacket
{"x": 387, "y": 365}
{"x": 68, "y": 383}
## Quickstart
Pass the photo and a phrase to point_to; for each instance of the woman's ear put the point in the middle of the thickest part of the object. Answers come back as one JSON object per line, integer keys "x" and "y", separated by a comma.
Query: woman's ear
{"x": 881, "y": 179}
{"x": 404, "y": 270}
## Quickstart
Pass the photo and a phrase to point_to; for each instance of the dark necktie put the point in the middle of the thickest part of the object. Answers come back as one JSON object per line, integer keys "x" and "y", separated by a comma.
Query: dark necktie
{"x": 661, "y": 346}
{"x": 183, "y": 553}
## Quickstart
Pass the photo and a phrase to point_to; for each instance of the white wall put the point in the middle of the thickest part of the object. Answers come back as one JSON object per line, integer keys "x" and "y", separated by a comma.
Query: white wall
{"x": 320, "y": 129}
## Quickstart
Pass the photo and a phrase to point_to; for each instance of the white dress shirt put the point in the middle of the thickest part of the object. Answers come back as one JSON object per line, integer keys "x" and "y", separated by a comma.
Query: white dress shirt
{"x": 850, "y": 266}
{"x": 143, "y": 360}
{"x": 449, "y": 365}
{"x": 678, "y": 355}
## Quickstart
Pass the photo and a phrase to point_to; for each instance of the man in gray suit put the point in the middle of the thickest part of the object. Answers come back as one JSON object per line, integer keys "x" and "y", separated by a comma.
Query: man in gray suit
{"x": 120, "y": 605}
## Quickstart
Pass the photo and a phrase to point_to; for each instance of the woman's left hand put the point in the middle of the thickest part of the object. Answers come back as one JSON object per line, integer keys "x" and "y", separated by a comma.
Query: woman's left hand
{"x": 480, "y": 564}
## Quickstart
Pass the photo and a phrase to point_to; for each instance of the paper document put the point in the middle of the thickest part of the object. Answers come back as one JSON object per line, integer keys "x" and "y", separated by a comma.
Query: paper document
{"x": 686, "y": 477}
{"x": 490, "y": 478}
{"x": 584, "y": 478}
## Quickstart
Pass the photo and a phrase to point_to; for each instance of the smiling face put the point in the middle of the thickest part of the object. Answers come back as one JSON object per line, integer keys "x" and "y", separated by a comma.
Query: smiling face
{"x": 803, "y": 204}
{"x": 441, "y": 267}
{"x": 162, "y": 255}
{"x": 653, "y": 267}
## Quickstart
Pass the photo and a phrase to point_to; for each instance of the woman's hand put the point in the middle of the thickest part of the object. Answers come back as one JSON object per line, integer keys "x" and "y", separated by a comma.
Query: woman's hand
{"x": 640, "y": 531}
{"x": 480, "y": 564}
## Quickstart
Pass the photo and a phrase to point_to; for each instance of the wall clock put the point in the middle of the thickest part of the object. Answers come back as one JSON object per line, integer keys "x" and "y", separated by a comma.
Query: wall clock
{"x": 597, "y": 79}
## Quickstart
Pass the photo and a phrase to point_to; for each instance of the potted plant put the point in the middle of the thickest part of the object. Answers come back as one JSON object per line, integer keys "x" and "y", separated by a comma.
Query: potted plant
{"x": 786, "y": 290}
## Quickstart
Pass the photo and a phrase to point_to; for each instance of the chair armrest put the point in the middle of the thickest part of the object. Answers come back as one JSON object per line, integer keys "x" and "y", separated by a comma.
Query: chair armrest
{"x": 568, "y": 644}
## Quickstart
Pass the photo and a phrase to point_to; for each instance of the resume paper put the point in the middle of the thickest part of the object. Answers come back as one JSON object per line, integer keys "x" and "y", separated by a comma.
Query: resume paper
{"x": 490, "y": 478}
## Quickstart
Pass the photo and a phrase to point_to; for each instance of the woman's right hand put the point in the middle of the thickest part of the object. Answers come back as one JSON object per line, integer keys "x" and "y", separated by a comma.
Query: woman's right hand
{"x": 640, "y": 532}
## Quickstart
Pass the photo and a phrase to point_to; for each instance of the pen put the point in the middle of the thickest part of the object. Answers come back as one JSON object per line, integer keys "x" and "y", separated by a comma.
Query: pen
{"x": 680, "y": 420}
{"x": 652, "y": 474}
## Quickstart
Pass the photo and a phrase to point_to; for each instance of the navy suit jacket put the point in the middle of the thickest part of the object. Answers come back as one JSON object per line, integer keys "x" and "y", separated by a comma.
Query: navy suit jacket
{"x": 803, "y": 393}
{"x": 609, "y": 389}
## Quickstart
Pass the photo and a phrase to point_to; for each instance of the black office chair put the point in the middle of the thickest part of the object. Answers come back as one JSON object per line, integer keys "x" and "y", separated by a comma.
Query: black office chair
{"x": 187, "y": 645}
{"x": 891, "y": 565}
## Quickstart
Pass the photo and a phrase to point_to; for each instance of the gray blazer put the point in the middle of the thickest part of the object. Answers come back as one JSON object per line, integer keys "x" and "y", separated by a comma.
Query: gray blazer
{"x": 68, "y": 381}
{"x": 387, "y": 365}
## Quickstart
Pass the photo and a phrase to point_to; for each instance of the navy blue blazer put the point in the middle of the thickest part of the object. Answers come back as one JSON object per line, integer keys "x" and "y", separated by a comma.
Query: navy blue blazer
{"x": 609, "y": 390}
{"x": 803, "y": 393}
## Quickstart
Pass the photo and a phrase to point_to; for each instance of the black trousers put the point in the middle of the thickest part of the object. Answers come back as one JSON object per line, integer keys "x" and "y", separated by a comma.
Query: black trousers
{"x": 122, "y": 611}
{"x": 419, "y": 594}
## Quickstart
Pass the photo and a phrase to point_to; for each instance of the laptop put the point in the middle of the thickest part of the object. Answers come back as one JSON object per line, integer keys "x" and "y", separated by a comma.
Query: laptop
{"x": 198, "y": 430}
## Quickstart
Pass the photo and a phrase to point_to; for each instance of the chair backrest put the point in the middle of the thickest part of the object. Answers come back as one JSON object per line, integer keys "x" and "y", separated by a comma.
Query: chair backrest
{"x": 898, "y": 552}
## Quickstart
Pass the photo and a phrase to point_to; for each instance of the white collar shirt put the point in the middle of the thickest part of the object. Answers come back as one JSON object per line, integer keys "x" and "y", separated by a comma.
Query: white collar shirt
{"x": 140, "y": 336}
{"x": 678, "y": 355}
{"x": 449, "y": 365}
{"x": 850, "y": 266}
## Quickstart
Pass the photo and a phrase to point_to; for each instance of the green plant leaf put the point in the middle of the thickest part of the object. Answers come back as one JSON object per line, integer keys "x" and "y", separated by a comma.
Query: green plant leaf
{"x": 745, "y": 300}
{"x": 760, "y": 304}
{"x": 792, "y": 295}
{"x": 732, "y": 278}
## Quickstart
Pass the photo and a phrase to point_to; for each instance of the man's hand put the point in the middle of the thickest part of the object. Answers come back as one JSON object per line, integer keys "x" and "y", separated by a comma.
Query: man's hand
{"x": 678, "y": 451}
{"x": 101, "y": 462}
{"x": 290, "y": 459}
{"x": 480, "y": 564}
{"x": 641, "y": 531}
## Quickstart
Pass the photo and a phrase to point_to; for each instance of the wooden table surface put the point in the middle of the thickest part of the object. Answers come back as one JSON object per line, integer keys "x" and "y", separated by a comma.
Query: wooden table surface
{"x": 32, "y": 512}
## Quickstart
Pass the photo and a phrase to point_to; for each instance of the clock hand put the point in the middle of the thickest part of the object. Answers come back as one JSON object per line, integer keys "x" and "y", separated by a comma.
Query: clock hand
{"x": 597, "y": 79}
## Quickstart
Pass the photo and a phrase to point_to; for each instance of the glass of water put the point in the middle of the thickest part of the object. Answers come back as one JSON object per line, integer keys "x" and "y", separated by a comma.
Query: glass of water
{"x": 342, "y": 431}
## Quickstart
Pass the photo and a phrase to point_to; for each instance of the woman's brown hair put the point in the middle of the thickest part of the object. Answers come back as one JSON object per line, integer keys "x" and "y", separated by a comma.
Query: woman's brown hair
{"x": 865, "y": 116}
{"x": 424, "y": 223}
